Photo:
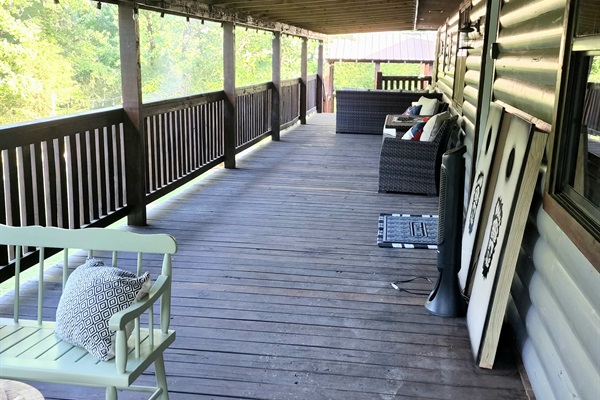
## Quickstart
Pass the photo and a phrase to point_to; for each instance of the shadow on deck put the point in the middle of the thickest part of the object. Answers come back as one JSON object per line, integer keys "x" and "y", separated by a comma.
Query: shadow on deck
{"x": 281, "y": 292}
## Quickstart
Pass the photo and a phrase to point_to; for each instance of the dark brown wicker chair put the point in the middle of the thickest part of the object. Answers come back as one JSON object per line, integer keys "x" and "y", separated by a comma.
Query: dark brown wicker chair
{"x": 408, "y": 166}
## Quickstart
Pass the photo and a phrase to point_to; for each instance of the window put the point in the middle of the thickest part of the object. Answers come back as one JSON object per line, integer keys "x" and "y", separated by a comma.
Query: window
{"x": 575, "y": 167}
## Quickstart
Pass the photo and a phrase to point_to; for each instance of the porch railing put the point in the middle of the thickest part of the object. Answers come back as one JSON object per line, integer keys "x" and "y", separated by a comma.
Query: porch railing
{"x": 591, "y": 117}
{"x": 289, "y": 102}
{"x": 253, "y": 108}
{"x": 311, "y": 93}
{"x": 402, "y": 82}
{"x": 71, "y": 171}
{"x": 66, "y": 172}
{"x": 184, "y": 138}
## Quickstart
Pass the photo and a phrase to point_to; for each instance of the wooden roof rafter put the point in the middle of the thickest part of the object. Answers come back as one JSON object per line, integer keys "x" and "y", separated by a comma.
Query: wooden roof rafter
{"x": 199, "y": 10}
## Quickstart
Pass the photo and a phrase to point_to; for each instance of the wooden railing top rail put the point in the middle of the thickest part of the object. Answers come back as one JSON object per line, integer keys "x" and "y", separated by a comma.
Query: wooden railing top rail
{"x": 27, "y": 133}
{"x": 250, "y": 89}
{"x": 290, "y": 82}
{"x": 180, "y": 103}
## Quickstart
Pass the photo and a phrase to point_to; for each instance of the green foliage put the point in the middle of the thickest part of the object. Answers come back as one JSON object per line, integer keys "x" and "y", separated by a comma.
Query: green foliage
{"x": 291, "y": 48}
{"x": 253, "y": 56}
{"x": 179, "y": 58}
{"x": 56, "y": 59}
{"x": 595, "y": 71}
{"x": 354, "y": 75}
{"x": 362, "y": 75}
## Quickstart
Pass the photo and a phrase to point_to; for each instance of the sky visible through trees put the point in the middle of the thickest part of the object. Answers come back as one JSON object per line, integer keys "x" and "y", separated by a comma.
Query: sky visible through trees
{"x": 58, "y": 59}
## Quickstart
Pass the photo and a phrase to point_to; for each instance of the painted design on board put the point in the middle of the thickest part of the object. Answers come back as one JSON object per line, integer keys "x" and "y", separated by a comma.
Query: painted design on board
{"x": 475, "y": 202}
{"x": 493, "y": 240}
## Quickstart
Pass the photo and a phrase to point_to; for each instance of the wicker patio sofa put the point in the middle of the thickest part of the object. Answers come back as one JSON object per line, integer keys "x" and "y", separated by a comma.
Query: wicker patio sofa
{"x": 408, "y": 166}
{"x": 364, "y": 111}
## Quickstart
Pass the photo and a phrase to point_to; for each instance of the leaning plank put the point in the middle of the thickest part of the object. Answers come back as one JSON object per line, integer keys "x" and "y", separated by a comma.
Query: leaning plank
{"x": 519, "y": 169}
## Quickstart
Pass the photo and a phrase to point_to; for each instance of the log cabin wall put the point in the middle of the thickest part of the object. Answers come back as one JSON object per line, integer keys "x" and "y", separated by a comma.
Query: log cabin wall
{"x": 554, "y": 303}
{"x": 554, "y": 298}
{"x": 468, "y": 102}
{"x": 446, "y": 60}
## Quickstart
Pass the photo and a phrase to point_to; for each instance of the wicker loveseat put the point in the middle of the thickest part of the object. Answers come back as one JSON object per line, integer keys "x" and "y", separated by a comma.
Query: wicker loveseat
{"x": 408, "y": 166}
{"x": 364, "y": 111}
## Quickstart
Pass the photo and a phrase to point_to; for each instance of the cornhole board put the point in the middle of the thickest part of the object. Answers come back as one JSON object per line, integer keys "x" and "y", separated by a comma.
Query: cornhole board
{"x": 479, "y": 204}
{"x": 511, "y": 201}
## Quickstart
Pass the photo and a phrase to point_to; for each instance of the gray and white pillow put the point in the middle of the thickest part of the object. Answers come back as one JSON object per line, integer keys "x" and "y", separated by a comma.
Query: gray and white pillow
{"x": 93, "y": 294}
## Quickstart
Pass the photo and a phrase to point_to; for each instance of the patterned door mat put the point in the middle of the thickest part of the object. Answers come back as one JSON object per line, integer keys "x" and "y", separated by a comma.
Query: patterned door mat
{"x": 407, "y": 231}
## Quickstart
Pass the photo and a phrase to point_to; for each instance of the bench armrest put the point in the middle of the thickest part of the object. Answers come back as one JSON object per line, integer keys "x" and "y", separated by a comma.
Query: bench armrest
{"x": 119, "y": 321}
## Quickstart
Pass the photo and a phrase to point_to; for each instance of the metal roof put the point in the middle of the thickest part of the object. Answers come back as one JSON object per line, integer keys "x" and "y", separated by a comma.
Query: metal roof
{"x": 384, "y": 46}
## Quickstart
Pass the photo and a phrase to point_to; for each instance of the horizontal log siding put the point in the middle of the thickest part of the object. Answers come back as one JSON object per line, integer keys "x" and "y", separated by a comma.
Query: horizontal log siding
{"x": 554, "y": 298}
{"x": 553, "y": 311}
{"x": 447, "y": 62}
{"x": 471, "y": 93}
{"x": 529, "y": 44}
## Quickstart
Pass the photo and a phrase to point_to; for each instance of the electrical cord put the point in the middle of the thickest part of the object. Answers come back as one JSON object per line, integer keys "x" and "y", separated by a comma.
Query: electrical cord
{"x": 411, "y": 291}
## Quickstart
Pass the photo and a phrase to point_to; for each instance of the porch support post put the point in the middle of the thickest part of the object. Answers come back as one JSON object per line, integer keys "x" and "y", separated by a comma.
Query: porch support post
{"x": 276, "y": 79}
{"x": 320, "y": 79}
{"x": 131, "y": 86}
{"x": 329, "y": 95}
{"x": 378, "y": 76}
{"x": 303, "y": 79}
{"x": 230, "y": 123}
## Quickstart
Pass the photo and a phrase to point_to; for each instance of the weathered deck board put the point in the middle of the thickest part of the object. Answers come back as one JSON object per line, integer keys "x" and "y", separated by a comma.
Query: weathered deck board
{"x": 281, "y": 292}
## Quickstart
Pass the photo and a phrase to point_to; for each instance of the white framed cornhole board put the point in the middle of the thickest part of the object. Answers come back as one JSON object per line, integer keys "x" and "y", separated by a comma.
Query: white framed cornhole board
{"x": 512, "y": 195}
{"x": 478, "y": 201}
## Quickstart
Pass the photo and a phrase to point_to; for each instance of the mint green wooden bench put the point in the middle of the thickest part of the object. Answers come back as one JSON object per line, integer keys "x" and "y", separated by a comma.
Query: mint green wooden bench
{"x": 29, "y": 350}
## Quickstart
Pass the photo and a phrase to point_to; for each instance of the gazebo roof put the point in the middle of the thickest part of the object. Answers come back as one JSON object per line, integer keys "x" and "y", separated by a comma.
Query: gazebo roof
{"x": 408, "y": 46}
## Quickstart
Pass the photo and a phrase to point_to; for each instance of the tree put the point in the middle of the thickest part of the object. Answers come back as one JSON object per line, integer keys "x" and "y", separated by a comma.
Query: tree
{"x": 56, "y": 58}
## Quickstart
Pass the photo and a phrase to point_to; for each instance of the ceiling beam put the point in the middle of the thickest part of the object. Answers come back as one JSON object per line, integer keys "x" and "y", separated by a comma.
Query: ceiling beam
{"x": 199, "y": 10}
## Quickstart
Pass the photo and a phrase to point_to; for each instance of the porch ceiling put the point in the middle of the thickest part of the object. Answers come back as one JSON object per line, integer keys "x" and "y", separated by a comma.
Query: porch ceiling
{"x": 344, "y": 16}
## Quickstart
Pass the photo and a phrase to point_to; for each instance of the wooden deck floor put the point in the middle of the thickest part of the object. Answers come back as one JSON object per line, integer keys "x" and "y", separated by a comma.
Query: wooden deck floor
{"x": 281, "y": 292}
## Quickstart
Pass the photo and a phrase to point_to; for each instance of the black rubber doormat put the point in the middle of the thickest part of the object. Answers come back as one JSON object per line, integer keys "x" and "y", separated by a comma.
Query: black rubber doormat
{"x": 407, "y": 231}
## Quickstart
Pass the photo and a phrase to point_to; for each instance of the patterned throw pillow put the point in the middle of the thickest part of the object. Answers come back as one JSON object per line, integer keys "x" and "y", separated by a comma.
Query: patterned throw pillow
{"x": 413, "y": 110}
{"x": 414, "y": 133}
{"x": 92, "y": 295}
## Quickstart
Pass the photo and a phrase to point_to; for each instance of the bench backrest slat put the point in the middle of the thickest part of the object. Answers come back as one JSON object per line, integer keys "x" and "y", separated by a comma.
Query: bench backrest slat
{"x": 90, "y": 238}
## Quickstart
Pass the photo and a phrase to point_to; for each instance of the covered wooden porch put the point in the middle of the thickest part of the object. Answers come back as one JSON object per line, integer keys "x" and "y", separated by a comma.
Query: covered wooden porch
{"x": 281, "y": 292}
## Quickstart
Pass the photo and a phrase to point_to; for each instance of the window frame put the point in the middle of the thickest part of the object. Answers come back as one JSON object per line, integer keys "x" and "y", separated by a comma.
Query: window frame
{"x": 572, "y": 212}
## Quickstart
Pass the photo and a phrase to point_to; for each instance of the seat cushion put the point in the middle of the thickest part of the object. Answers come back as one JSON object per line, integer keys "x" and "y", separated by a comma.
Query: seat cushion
{"x": 428, "y": 106}
{"x": 433, "y": 124}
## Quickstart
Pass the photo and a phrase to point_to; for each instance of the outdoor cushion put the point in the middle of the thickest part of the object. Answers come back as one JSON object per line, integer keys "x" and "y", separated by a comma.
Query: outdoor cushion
{"x": 413, "y": 110}
{"x": 414, "y": 132}
{"x": 93, "y": 293}
{"x": 433, "y": 124}
{"x": 429, "y": 106}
